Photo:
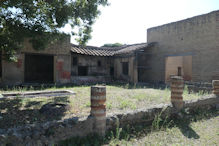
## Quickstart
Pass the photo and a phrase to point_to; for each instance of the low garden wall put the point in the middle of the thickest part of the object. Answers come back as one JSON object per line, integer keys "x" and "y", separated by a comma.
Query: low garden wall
{"x": 98, "y": 122}
{"x": 199, "y": 87}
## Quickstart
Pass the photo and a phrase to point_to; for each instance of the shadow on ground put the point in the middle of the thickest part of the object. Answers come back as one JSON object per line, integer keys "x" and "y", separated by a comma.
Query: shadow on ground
{"x": 16, "y": 111}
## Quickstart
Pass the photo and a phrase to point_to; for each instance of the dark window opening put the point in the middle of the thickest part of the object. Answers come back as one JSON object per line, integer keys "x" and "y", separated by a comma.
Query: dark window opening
{"x": 179, "y": 71}
{"x": 98, "y": 63}
{"x": 125, "y": 68}
{"x": 0, "y": 63}
{"x": 111, "y": 71}
{"x": 82, "y": 70}
{"x": 75, "y": 61}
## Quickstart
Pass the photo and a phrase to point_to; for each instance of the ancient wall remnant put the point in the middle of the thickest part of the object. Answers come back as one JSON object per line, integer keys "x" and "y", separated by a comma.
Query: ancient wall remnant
{"x": 196, "y": 37}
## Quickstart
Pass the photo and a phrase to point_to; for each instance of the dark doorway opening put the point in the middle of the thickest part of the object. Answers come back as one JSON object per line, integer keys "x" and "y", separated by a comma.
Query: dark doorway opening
{"x": 179, "y": 71}
{"x": 39, "y": 68}
{"x": 125, "y": 68}
{"x": 75, "y": 61}
{"x": 111, "y": 71}
{"x": 82, "y": 70}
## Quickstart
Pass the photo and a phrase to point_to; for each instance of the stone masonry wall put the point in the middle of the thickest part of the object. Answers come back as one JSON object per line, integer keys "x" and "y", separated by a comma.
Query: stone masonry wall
{"x": 58, "y": 48}
{"x": 196, "y": 36}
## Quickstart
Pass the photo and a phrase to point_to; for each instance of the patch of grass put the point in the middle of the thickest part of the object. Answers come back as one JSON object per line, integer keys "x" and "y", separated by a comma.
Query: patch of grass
{"x": 140, "y": 96}
{"x": 160, "y": 123}
{"x": 124, "y": 104}
{"x": 109, "y": 105}
{"x": 200, "y": 129}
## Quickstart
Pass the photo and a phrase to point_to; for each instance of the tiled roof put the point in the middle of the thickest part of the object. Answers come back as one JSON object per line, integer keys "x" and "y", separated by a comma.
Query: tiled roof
{"x": 107, "y": 51}
{"x": 94, "y": 51}
{"x": 131, "y": 48}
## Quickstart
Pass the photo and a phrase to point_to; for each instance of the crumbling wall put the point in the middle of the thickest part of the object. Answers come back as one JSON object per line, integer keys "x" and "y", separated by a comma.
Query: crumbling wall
{"x": 196, "y": 36}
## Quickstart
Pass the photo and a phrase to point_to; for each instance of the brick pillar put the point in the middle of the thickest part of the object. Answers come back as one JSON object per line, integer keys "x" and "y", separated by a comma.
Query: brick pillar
{"x": 98, "y": 108}
{"x": 215, "y": 84}
{"x": 177, "y": 86}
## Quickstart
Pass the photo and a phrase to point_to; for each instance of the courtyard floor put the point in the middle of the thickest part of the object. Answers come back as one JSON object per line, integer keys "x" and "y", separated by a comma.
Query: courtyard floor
{"x": 19, "y": 111}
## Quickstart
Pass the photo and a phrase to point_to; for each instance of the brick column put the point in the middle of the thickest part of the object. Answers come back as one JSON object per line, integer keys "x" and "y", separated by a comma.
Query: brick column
{"x": 177, "y": 86}
{"x": 98, "y": 108}
{"x": 215, "y": 84}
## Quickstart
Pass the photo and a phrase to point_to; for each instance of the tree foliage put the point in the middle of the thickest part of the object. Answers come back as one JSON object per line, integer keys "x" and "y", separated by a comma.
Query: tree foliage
{"x": 113, "y": 45}
{"x": 41, "y": 20}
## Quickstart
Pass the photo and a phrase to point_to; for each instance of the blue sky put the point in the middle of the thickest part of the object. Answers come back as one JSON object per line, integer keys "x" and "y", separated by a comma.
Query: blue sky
{"x": 126, "y": 21}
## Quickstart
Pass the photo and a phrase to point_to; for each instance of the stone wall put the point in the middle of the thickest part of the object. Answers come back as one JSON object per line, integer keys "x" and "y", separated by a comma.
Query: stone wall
{"x": 197, "y": 87}
{"x": 132, "y": 69}
{"x": 58, "y": 48}
{"x": 196, "y": 36}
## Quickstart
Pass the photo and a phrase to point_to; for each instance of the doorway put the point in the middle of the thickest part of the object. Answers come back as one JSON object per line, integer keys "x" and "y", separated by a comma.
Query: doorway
{"x": 178, "y": 66}
{"x": 39, "y": 68}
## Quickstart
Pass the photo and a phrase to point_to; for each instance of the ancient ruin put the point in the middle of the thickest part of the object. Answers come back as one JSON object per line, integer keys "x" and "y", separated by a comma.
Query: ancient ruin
{"x": 187, "y": 48}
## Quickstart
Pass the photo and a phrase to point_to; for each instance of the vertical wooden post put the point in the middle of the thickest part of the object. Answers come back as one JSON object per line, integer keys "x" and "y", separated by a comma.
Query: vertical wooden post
{"x": 215, "y": 84}
{"x": 177, "y": 86}
{"x": 98, "y": 109}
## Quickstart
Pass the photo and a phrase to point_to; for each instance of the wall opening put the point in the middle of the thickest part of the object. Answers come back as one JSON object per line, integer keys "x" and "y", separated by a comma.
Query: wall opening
{"x": 75, "y": 61}
{"x": 178, "y": 65}
{"x": 99, "y": 63}
{"x": 82, "y": 70}
{"x": 39, "y": 68}
{"x": 179, "y": 71}
{"x": 111, "y": 71}
{"x": 125, "y": 68}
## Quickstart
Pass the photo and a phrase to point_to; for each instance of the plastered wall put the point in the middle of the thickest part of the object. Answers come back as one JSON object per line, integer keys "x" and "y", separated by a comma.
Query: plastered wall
{"x": 13, "y": 72}
{"x": 92, "y": 63}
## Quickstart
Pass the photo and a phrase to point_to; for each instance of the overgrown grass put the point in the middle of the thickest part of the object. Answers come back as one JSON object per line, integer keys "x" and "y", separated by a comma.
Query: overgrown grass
{"x": 119, "y": 98}
{"x": 199, "y": 128}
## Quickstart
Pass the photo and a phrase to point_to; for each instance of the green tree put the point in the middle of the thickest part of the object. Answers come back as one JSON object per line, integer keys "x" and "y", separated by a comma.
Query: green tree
{"x": 112, "y": 45}
{"x": 41, "y": 20}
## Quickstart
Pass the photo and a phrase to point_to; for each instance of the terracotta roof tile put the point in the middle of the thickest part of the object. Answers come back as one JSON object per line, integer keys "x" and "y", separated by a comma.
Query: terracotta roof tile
{"x": 107, "y": 51}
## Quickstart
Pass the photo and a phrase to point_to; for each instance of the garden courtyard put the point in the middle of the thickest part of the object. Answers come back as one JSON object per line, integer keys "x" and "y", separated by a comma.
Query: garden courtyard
{"x": 120, "y": 98}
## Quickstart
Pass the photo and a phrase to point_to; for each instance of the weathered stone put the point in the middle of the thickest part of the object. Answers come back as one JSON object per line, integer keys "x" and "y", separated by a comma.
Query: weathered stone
{"x": 53, "y": 109}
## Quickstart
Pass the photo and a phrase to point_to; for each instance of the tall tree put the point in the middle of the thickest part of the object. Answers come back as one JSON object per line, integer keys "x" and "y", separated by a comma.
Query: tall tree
{"x": 41, "y": 20}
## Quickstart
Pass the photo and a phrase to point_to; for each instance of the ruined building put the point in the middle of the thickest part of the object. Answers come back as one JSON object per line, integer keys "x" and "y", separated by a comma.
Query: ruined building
{"x": 189, "y": 48}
